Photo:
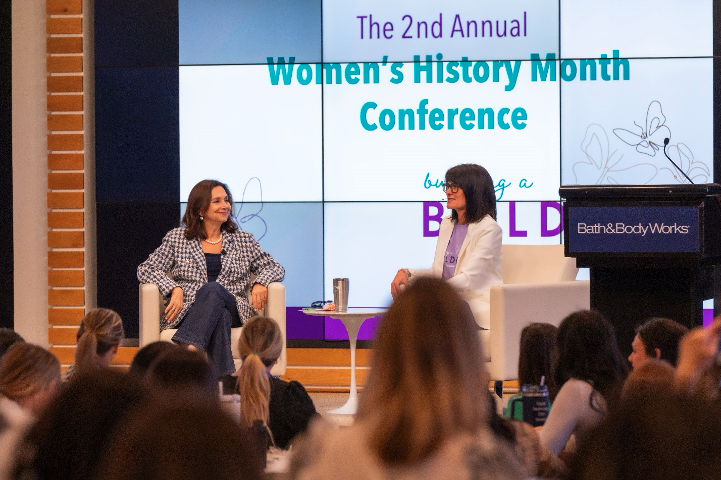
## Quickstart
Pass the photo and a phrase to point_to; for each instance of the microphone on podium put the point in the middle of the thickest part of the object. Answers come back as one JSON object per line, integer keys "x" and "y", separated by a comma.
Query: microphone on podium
{"x": 665, "y": 142}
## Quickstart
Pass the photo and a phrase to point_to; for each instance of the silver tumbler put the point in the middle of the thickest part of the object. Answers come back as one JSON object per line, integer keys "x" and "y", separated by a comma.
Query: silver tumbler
{"x": 340, "y": 294}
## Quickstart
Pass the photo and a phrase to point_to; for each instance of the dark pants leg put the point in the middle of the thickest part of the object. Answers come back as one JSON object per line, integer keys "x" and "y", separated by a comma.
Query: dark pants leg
{"x": 207, "y": 325}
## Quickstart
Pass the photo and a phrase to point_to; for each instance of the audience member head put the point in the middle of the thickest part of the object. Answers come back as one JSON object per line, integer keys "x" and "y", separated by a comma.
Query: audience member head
{"x": 587, "y": 350}
{"x": 656, "y": 338}
{"x": 428, "y": 379}
{"x": 184, "y": 371}
{"x": 99, "y": 336}
{"x": 8, "y": 337}
{"x": 260, "y": 346}
{"x": 147, "y": 355}
{"x": 74, "y": 431}
{"x": 663, "y": 437}
{"x": 538, "y": 353}
{"x": 29, "y": 375}
{"x": 654, "y": 377}
{"x": 168, "y": 440}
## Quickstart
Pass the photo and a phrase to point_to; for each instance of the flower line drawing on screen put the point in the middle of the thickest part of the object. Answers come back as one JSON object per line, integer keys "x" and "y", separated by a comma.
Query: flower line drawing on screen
{"x": 370, "y": 27}
{"x": 605, "y": 166}
{"x": 651, "y": 138}
{"x": 247, "y": 218}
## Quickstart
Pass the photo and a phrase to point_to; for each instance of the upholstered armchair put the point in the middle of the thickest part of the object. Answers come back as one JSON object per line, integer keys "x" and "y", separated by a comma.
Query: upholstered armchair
{"x": 538, "y": 286}
{"x": 152, "y": 303}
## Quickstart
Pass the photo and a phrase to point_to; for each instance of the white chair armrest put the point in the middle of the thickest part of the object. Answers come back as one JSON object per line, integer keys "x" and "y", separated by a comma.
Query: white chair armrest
{"x": 149, "y": 318}
{"x": 513, "y": 306}
{"x": 151, "y": 304}
{"x": 275, "y": 309}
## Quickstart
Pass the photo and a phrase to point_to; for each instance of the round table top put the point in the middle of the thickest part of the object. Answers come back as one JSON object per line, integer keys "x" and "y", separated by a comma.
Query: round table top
{"x": 352, "y": 311}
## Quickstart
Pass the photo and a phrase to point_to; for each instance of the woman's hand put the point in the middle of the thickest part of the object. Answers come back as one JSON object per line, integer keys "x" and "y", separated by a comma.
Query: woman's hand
{"x": 399, "y": 282}
{"x": 172, "y": 310}
{"x": 259, "y": 296}
{"x": 697, "y": 352}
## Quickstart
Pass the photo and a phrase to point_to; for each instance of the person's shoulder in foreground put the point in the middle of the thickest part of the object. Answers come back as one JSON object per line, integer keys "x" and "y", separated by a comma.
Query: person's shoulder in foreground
{"x": 330, "y": 452}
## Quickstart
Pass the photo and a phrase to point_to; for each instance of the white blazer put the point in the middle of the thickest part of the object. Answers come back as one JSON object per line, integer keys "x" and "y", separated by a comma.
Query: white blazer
{"x": 478, "y": 267}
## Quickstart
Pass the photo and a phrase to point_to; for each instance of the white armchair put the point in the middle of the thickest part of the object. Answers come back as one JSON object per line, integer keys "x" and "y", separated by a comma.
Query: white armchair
{"x": 538, "y": 286}
{"x": 151, "y": 304}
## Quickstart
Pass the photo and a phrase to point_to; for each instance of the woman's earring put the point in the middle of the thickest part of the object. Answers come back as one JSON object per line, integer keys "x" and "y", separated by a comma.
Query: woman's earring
{"x": 201, "y": 218}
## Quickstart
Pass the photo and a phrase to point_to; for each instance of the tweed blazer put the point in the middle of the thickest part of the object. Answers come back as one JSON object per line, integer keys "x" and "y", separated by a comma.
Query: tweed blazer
{"x": 179, "y": 262}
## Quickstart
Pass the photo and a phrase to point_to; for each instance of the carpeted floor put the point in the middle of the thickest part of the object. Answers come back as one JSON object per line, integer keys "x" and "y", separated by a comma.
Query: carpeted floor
{"x": 328, "y": 401}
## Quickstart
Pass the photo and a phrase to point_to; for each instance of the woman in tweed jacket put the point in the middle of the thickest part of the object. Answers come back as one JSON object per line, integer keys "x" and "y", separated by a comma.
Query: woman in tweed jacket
{"x": 203, "y": 269}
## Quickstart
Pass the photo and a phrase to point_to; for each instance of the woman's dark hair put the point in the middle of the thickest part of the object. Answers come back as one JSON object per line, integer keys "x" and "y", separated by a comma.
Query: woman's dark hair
{"x": 74, "y": 432}
{"x": 538, "y": 354}
{"x": 588, "y": 351}
{"x": 664, "y": 334}
{"x": 7, "y": 338}
{"x": 182, "y": 438}
{"x": 477, "y": 186}
{"x": 183, "y": 370}
{"x": 147, "y": 355}
{"x": 662, "y": 436}
{"x": 199, "y": 201}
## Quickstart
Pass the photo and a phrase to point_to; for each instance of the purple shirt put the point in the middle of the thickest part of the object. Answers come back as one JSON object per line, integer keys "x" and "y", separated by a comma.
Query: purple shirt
{"x": 454, "y": 247}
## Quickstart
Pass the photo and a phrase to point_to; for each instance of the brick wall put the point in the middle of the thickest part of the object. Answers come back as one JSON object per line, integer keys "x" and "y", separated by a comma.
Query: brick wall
{"x": 66, "y": 196}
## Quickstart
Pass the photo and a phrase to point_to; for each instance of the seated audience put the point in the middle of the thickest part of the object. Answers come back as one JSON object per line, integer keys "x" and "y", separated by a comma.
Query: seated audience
{"x": 665, "y": 436}
{"x": 424, "y": 411}
{"x": 537, "y": 354}
{"x": 170, "y": 438}
{"x": 73, "y": 433}
{"x": 8, "y": 337}
{"x": 145, "y": 357}
{"x": 99, "y": 336}
{"x": 656, "y": 338}
{"x": 183, "y": 372}
{"x": 283, "y": 407}
{"x": 590, "y": 371}
{"x": 29, "y": 379}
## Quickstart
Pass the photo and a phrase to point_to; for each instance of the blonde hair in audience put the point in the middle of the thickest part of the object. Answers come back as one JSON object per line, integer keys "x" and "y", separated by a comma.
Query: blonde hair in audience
{"x": 428, "y": 379}
{"x": 100, "y": 330}
{"x": 26, "y": 370}
{"x": 260, "y": 345}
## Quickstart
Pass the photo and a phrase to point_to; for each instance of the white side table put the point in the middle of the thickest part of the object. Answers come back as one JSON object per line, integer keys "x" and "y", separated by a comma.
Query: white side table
{"x": 352, "y": 320}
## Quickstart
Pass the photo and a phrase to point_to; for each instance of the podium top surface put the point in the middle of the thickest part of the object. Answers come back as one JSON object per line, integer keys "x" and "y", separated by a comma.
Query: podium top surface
{"x": 636, "y": 191}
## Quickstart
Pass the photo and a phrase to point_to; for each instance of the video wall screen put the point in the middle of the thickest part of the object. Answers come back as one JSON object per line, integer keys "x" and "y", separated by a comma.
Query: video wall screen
{"x": 334, "y": 122}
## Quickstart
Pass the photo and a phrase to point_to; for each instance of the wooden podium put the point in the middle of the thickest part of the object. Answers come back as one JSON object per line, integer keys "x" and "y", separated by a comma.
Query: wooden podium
{"x": 651, "y": 250}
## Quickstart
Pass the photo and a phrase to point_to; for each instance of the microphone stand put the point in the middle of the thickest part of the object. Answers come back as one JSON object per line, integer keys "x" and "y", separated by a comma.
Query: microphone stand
{"x": 665, "y": 142}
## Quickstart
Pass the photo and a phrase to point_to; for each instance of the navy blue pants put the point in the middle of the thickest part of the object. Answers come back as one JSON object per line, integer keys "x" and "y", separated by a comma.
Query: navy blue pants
{"x": 207, "y": 325}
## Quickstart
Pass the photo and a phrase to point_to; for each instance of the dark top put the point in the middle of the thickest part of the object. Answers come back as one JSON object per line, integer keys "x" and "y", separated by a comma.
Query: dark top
{"x": 290, "y": 409}
{"x": 214, "y": 264}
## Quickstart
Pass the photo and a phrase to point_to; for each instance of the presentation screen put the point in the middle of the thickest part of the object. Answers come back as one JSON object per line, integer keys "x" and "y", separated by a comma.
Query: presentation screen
{"x": 334, "y": 122}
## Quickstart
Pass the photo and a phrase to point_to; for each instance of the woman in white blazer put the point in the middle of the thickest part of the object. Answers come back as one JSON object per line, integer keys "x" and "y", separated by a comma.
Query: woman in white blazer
{"x": 468, "y": 252}
{"x": 203, "y": 269}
